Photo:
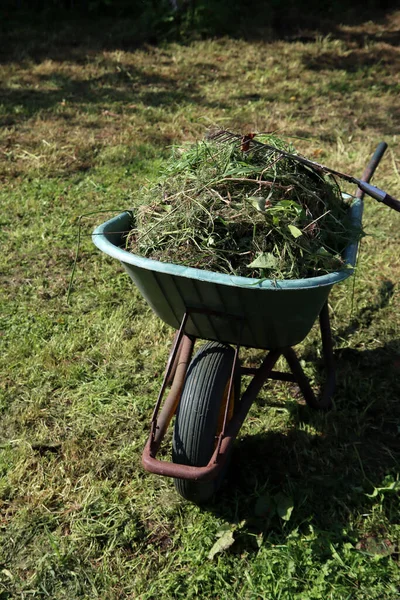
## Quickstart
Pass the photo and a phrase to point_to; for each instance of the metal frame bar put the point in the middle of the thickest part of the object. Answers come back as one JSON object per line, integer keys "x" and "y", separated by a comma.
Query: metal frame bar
{"x": 179, "y": 360}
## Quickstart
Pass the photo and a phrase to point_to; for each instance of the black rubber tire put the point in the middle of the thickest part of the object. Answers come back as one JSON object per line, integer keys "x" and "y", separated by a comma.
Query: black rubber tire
{"x": 198, "y": 414}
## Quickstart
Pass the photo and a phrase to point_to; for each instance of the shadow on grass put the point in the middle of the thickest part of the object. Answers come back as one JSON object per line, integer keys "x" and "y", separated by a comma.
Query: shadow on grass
{"x": 366, "y": 315}
{"x": 328, "y": 463}
{"x": 127, "y": 85}
{"x": 51, "y": 33}
{"x": 370, "y": 63}
{"x": 78, "y": 41}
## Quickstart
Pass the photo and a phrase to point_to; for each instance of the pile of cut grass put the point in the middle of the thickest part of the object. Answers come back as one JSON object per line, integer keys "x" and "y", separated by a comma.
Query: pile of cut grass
{"x": 243, "y": 210}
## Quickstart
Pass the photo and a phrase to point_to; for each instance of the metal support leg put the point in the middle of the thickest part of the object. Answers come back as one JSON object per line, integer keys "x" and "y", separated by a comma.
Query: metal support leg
{"x": 325, "y": 399}
{"x": 327, "y": 349}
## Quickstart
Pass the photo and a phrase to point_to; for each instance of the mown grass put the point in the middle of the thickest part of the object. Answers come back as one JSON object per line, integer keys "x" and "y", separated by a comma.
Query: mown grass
{"x": 82, "y": 129}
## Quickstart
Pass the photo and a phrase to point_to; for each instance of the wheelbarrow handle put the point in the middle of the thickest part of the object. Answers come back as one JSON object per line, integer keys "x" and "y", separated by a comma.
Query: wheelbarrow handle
{"x": 379, "y": 195}
{"x": 391, "y": 202}
{"x": 364, "y": 187}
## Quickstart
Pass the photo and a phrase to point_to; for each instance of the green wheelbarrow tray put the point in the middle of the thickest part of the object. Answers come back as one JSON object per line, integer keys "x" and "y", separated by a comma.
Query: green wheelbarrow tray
{"x": 257, "y": 313}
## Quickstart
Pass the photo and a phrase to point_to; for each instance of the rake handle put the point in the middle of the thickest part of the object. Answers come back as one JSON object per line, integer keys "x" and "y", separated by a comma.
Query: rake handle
{"x": 391, "y": 202}
{"x": 364, "y": 187}
{"x": 379, "y": 195}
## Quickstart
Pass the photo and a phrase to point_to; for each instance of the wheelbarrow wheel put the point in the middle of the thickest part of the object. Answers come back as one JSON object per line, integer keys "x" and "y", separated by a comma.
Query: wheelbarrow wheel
{"x": 200, "y": 415}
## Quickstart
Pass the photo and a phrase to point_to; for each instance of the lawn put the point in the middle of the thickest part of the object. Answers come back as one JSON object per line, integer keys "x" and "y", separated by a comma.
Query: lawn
{"x": 311, "y": 507}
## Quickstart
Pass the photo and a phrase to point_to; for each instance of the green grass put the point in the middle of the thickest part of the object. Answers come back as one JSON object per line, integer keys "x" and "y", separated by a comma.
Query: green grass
{"x": 83, "y": 130}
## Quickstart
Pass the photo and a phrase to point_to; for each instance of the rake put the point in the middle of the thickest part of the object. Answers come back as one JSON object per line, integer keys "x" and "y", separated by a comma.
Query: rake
{"x": 248, "y": 143}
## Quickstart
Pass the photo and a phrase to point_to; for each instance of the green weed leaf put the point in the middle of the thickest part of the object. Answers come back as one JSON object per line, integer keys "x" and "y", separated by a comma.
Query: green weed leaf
{"x": 284, "y": 506}
{"x": 393, "y": 487}
{"x": 323, "y": 252}
{"x": 223, "y": 543}
{"x": 295, "y": 231}
{"x": 258, "y": 202}
{"x": 265, "y": 260}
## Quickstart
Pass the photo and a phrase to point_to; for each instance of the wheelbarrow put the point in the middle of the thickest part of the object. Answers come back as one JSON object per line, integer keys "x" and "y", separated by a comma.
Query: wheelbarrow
{"x": 230, "y": 312}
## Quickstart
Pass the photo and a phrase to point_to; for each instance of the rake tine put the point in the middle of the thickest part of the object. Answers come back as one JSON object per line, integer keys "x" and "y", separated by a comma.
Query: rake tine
{"x": 218, "y": 135}
{"x": 227, "y": 137}
{"x": 258, "y": 148}
{"x": 223, "y": 135}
